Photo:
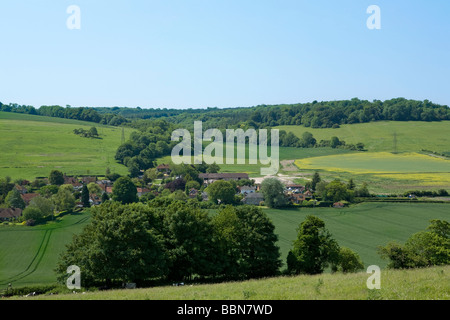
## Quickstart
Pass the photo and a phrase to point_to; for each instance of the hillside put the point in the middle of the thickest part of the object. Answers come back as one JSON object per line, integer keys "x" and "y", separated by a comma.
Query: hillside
{"x": 34, "y": 145}
{"x": 419, "y": 284}
{"x": 411, "y": 136}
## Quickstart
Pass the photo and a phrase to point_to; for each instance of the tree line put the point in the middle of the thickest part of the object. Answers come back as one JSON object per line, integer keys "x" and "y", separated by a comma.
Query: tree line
{"x": 324, "y": 114}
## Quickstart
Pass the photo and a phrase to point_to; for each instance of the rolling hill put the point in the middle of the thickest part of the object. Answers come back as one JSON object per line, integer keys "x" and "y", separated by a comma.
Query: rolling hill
{"x": 33, "y": 145}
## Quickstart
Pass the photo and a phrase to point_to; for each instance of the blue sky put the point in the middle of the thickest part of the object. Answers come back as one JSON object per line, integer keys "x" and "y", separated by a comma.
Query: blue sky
{"x": 222, "y": 53}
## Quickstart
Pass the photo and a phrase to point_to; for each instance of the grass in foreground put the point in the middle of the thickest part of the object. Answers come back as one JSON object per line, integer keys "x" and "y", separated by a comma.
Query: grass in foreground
{"x": 419, "y": 284}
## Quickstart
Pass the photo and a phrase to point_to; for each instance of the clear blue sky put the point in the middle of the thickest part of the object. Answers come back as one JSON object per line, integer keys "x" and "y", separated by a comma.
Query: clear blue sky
{"x": 222, "y": 53}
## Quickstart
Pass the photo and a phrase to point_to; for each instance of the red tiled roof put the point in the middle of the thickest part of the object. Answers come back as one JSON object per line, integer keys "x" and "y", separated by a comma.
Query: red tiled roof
{"x": 27, "y": 197}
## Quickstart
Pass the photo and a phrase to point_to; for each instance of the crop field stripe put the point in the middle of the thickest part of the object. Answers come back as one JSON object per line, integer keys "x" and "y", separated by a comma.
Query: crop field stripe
{"x": 39, "y": 255}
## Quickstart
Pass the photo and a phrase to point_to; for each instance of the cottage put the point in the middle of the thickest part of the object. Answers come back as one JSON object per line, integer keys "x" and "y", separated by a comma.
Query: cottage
{"x": 163, "y": 168}
{"x": 253, "y": 199}
{"x": 247, "y": 190}
{"x": 338, "y": 205}
{"x": 142, "y": 191}
{"x": 9, "y": 214}
{"x": 28, "y": 197}
{"x": 193, "y": 193}
{"x": 209, "y": 178}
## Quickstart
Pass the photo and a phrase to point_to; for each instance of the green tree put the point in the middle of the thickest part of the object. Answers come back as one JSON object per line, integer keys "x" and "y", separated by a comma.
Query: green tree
{"x": 335, "y": 142}
{"x": 307, "y": 140}
{"x": 315, "y": 180}
{"x": 422, "y": 249}
{"x": 45, "y": 205}
{"x": 247, "y": 242}
{"x": 314, "y": 249}
{"x": 189, "y": 241}
{"x": 105, "y": 197}
{"x": 93, "y": 133}
{"x": 63, "y": 200}
{"x": 222, "y": 191}
{"x": 273, "y": 190}
{"x": 124, "y": 191}
{"x": 14, "y": 200}
{"x": 351, "y": 185}
{"x": 85, "y": 197}
{"x": 48, "y": 191}
{"x": 32, "y": 213}
{"x": 94, "y": 188}
{"x": 213, "y": 168}
{"x": 348, "y": 261}
{"x": 337, "y": 191}
{"x": 56, "y": 178}
{"x": 121, "y": 243}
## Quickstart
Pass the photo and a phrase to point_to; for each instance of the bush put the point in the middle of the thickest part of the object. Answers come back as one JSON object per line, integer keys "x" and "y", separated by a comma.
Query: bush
{"x": 349, "y": 261}
{"x": 32, "y": 213}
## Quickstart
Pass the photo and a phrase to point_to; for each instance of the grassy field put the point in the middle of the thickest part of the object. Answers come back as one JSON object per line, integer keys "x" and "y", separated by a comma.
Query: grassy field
{"x": 284, "y": 154}
{"x": 384, "y": 171}
{"x": 420, "y": 284}
{"x": 28, "y": 255}
{"x": 362, "y": 227}
{"x": 32, "y": 146}
{"x": 379, "y": 136}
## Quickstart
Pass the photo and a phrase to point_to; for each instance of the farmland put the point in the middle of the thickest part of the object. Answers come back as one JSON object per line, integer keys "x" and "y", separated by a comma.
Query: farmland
{"x": 29, "y": 255}
{"x": 34, "y": 145}
{"x": 379, "y": 136}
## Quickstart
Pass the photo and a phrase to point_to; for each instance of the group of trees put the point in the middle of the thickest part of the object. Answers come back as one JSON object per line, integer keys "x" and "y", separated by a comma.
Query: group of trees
{"x": 82, "y": 113}
{"x": 168, "y": 240}
{"x": 423, "y": 249}
{"x": 315, "y": 249}
{"x": 91, "y": 133}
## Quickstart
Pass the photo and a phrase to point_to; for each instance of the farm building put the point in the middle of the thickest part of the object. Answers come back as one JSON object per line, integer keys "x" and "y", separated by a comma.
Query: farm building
{"x": 209, "y": 178}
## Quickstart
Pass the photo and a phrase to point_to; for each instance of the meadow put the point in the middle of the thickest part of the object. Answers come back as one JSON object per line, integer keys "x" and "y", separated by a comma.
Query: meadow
{"x": 379, "y": 136}
{"x": 418, "y": 284}
{"x": 31, "y": 146}
{"x": 28, "y": 255}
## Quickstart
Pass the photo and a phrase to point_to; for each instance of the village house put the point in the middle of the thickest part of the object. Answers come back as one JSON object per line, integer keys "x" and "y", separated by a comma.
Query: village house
{"x": 8, "y": 214}
{"x": 142, "y": 191}
{"x": 28, "y": 197}
{"x": 253, "y": 199}
{"x": 209, "y": 178}
{"x": 164, "y": 168}
{"x": 338, "y": 205}
{"x": 193, "y": 193}
{"x": 246, "y": 190}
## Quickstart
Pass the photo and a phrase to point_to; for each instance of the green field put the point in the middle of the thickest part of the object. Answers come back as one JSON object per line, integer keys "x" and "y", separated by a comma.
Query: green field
{"x": 28, "y": 255}
{"x": 32, "y": 146}
{"x": 362, "y": 227}
{"x": 418, "y": 284}
{"x": 379, "y": 136}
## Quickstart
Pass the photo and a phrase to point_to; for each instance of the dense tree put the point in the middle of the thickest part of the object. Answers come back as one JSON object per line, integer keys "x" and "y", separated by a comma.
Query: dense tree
{"x": 314, "y": 249}
{"x": 247, "y": 242}
{"x": 348, "y": 261}
{"x": 56, "y": 178}
{"x": 221, "y": 191}
{"x": 315, "y": 180}
{"x": 189, "y": 242}
{"x": 63, "y": 200}
{"x": 14, "y": 200}
{"x": 85, "y": 197}
{"x": 124, "y": 191}
{"x": 43, "y": 204}
{"x": 32, "y": 213}
{"x": 337, "y": 191}
{"x": 120, "y": 244}
{"x": 273, "y": 190}
{"x": 423, "y": 249}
